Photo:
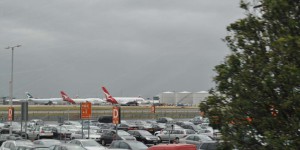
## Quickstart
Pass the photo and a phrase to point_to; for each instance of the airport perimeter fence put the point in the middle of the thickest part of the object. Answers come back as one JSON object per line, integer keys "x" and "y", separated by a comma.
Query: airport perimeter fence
{"x": 126, "y": 115}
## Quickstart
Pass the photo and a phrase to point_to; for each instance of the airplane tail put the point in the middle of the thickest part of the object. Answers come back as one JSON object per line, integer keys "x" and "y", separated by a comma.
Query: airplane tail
{"x": 66, "y": 97}
{"x": 108, "y": 97}
{"x": 29, "y": 96}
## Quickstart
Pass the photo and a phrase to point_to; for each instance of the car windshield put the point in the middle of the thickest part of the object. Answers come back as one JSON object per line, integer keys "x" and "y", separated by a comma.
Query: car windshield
{"x": 121, "y": 132}
{"x": 204, "y": 137}
{"x": 42, "y": 148}
{"x": 143, "y": 132}
{"x": 90, "y": 143}
{"x": 47, "y": 128}
{"x": 75, "y": 147}
{"x": 25, "y": 142}
{"x": 137, "y": 145}
{"x": 86, "y": 132}
{"x": 50, "y": 142}
{"x": 75, "y": 123}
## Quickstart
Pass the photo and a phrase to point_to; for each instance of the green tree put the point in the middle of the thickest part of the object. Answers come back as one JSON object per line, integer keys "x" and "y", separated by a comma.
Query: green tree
{"x": 257, "y": 93}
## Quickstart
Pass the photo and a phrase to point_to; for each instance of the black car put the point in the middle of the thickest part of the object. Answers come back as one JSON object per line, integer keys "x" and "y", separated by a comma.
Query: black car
{"x": 164, "y": 120}
{"x": 152, "y": 128}
{"x": 105, "y": 119}
{"x": 126, "y": 127}
{"x": 124, "y": 144}
{"x": 144, "y": 136}
{"x": 109, "y": 135}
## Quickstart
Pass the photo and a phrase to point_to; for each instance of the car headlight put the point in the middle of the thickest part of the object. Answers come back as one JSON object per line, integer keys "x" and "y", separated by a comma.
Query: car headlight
{"x": 148, "y": 138}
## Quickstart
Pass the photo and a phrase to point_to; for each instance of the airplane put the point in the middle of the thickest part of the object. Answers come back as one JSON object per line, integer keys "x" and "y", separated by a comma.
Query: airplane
{"x": 121, "y": 100}
{"x": 44, "y": 101}
{"x": 80, "y": 100}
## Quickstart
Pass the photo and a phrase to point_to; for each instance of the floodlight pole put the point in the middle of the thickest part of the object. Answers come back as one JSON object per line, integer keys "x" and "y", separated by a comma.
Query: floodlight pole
{"x": 11, "y": 81}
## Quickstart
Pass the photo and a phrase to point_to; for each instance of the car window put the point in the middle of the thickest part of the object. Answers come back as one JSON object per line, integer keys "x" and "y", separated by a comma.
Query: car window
{"x": 121, "y": 132}
{"x": 190, "y": 132}
{"x": 12, "y": 147}
{"x": 124, "y": 146}
{"x": 114, "y": 144}
{"x": 46, "y": 128}
{"x": 190, "y": 138}
{"x": 197, "y": 138}
{"x": 57, "y": 147}
{"x": 7, "y": 145}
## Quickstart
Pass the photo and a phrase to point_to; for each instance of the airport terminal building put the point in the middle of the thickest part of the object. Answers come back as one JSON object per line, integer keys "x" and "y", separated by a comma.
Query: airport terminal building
{"x": 185, "y": 97}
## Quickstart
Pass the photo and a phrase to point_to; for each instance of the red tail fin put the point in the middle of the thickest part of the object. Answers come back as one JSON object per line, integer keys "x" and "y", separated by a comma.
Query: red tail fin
{"x": 108, "y": 97}
{"x": 66, "y": 97}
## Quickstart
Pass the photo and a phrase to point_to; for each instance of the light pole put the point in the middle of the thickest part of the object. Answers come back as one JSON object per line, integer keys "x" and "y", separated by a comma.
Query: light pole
{"x": 11, "y": 81}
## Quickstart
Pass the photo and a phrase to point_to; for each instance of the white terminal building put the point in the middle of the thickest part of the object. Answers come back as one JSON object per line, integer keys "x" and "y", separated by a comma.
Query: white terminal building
{"x": 185, "y": 97}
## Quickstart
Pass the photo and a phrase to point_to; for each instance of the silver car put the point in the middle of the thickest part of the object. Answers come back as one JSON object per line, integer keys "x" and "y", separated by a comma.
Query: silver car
{"x": 174, "y": 135}
{"x": 88, "y": 144}
{"x": 39, "y": 132}
{"x": 13, "y": 145}
{"x": 195, "y": 139}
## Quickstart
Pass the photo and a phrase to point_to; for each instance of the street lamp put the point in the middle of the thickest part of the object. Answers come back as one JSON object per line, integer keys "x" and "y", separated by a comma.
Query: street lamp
{"x": 11, "y": 81}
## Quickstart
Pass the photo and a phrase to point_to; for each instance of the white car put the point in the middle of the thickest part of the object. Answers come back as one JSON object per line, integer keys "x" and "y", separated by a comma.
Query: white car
{"x": 195, "y": 139}
{"x": 88, "y": 144}
{"x": 13, "y": 145}
{"x": 93, "y": 135}
{"x": 174, "y": 135}
{"x": 40, "y": 132}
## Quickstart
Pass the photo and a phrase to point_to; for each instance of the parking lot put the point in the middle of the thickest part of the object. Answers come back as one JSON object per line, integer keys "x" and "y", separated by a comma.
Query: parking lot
{"x": 128, "y": 134}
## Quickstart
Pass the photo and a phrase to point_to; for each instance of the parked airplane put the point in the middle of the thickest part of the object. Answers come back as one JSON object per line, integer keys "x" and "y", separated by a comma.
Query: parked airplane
{"x": 121, "y": 100}
{"x": 80, "y": 100}
{"x": 44, "y": 101}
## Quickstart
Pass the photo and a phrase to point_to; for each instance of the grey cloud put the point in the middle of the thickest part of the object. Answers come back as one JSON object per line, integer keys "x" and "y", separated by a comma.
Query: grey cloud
{"x": 133, "y": 47}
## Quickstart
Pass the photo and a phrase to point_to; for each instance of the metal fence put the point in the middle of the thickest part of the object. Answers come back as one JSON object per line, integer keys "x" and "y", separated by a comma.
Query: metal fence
{"x": 126, "y": 114}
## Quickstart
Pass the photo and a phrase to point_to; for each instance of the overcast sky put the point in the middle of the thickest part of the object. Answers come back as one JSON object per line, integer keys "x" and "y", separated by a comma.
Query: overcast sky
{"x": 133, "y": 47}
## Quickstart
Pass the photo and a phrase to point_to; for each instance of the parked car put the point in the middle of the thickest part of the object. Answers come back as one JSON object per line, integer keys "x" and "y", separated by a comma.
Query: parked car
{"x": 128, "y": 145}
{"x": 36, "y": 122}
{"x": 39, "y": 132}
{"x": 195, "y": 139}
{"x": 109, "y": 135}
{"x": 173, "y": 147}
{"x": 88, "y": 144}
{"x": 208, "y": 145}
{"x": 46, "y": 142}
{"x": 152, "y": 128}
{"x": 6, "y": 137}
{"x": 164, "y": 120}
{"x": 68, "y": 146}
{"x": 92, "y": 135}
{"x": 32, "y": 147}
{"x": 174, "y": 135}
{"x": 91, "y": 122}
{"x": 144, "y": 136}
{"x": 127, "y": 126}
{"x": 14, "y": 144}
{"x": 60, "y": 132}
{"x": 74, "y": 123}
{"x": 105, "y": 119}
{"x": 16, "y": 126}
